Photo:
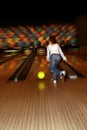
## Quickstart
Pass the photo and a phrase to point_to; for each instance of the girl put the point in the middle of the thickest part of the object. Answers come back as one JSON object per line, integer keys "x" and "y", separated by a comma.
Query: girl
{"x": 54, "y": 55}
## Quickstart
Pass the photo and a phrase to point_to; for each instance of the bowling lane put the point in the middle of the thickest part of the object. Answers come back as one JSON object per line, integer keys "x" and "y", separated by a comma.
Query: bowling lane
{"x": 78, "y": 63}
{"x": 7, "y": 68}
{"x": 39, "y": 64}
{"x": 8, "y": 54}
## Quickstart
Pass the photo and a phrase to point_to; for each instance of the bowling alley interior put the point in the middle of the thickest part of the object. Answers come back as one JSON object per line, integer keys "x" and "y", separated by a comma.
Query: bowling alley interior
{"x": 28, "y": 102}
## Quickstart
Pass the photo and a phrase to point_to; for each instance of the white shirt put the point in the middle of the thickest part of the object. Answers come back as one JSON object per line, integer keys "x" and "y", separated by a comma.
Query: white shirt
{"x": 54, "y": 49}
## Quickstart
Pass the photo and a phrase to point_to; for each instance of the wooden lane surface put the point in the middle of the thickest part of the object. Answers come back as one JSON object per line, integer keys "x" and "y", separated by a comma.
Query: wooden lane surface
{"x": 7, "y": 68}
{"x": 78, "y": 63}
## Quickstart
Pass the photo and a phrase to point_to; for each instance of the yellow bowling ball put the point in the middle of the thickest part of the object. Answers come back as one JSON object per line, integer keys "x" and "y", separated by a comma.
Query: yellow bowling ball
{"x": 41, "y": 75}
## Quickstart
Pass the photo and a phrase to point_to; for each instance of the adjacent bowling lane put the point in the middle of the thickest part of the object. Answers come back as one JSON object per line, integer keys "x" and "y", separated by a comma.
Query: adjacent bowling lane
{"x": 78, "y": 63}
{"x": 8, "y": 54}
{"x": 7, "y": 68}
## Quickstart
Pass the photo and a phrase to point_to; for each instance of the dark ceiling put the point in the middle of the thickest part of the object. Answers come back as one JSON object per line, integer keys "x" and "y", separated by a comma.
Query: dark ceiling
{"x": 40, "y": 12}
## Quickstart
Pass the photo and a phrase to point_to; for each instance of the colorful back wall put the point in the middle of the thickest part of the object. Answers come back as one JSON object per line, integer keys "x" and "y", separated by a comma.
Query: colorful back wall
{"x": 24, "y": 36}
